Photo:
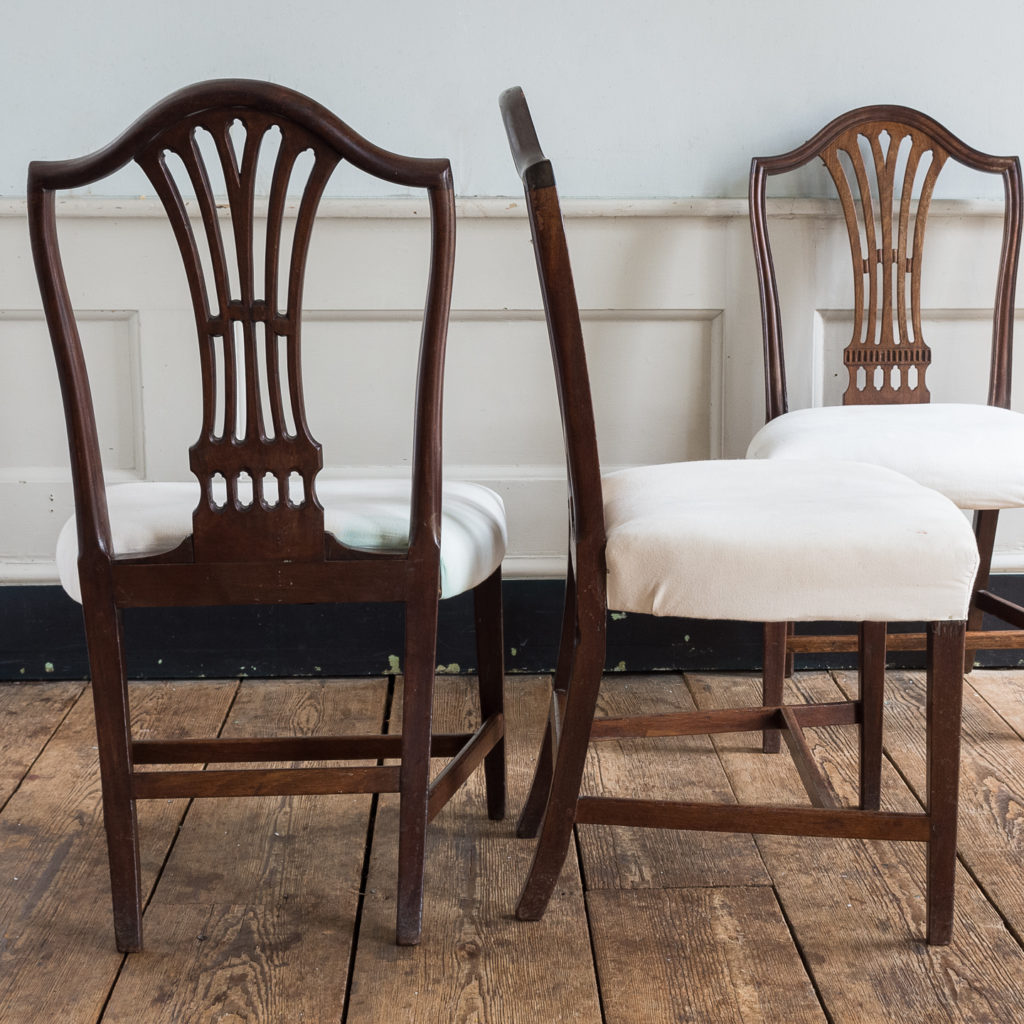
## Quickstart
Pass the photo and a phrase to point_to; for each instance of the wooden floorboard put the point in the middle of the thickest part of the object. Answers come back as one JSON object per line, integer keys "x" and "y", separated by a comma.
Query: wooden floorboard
{"x": 476, "y": 961}
{"x": 676, "y": 768}
{"x": 255, "y": 913}
{"x": 57, "y": 955}
{"x": 257, "y": 910}
{"x": 857, "y": 908}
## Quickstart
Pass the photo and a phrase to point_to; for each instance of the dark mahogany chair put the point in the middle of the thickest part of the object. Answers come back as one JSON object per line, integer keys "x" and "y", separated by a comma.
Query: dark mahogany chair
{"x": 884, "y": 162}
{"x": 258, "y": 526}
{"x": 761, "y": 541}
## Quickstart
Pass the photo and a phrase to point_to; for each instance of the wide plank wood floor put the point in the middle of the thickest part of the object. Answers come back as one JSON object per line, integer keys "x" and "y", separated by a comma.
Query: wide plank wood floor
{"x": 282, "y": 909}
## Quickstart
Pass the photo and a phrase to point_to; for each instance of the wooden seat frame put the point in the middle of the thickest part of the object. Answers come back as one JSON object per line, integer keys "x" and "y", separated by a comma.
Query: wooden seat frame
{"x": 554, "y": 804}
{"x": 271, "y": 549}
{"x": 886, "y": 227}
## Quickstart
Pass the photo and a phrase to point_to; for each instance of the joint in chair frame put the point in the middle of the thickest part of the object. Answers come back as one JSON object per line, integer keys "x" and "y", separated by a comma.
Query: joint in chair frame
{"x": 258, "y": 526}
{"x": 686, "y": 540}
{"x": 884, "y": 162}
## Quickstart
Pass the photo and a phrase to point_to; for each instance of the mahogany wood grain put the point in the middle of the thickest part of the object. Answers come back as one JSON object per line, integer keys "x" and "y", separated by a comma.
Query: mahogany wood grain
{"x": 884, "y": 162}
{"x": 258, "y": 528}
{"x": 581, "y": 661}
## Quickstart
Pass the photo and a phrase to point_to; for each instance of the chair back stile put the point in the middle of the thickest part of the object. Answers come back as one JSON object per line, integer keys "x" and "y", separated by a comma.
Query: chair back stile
{"x": 884, "y": 162}
{"x": 586, "y": 521}
{"x": 256, "y": 458}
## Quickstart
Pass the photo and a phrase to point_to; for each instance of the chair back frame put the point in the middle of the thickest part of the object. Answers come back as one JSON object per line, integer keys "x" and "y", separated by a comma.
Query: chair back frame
{"x": 887, "y": 357}
{"x": 254, "y": 435}
{"x": 565, "y": 333}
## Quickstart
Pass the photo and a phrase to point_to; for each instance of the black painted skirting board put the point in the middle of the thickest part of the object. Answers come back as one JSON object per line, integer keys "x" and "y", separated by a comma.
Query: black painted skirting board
{"x": 41, "y": 637}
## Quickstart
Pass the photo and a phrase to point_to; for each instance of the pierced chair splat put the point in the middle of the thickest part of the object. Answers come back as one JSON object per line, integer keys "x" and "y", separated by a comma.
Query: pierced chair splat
{"x": 258, "y": 525}
{"x": 884, "y": 162}
{"x": 686, "y": 540}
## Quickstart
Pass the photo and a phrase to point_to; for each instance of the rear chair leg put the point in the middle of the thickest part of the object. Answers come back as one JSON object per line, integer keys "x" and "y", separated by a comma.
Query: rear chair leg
{"x": 491, "y": 676}
{"x": 560, "y": 814}
{"x": 417, "y": 708}
{"x": 985, "y": 523}
{"x": 533, "y": 810}
{"x": 945, "y": 698}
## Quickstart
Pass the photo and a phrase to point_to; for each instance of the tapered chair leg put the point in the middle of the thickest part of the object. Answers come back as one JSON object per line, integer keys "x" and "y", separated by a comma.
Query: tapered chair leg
{"x": 559, "y": 816}
{"x": 985, "y": 523}
{"x": 417, "y": 710}
{"x": 533, "y": 810}
{"x": 104, "y": 634}
{"x": 773, "y": 678}
{"x": 491, "y": 675}
{"x": 871, "y": 672}
{"x": 945, "y": 699}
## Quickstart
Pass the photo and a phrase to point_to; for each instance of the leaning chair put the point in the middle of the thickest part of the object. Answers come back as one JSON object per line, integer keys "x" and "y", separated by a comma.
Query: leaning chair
{"x": 884, "y": 162}
{"x": 759, "y": 541}
{"x": 257, "y": 526}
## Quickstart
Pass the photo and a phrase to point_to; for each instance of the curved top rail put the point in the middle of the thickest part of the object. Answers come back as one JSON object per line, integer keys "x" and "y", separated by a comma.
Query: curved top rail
{"x": 239, "y": 94}
{"x": 893, "y": 114}
{"x": 533, "y": 167}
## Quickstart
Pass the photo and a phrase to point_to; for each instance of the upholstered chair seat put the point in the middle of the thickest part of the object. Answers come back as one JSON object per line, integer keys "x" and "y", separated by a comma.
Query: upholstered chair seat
{"x": 973, "y": 454}
{"x": 784, "y": 541}
{"x": 365, "y": 514}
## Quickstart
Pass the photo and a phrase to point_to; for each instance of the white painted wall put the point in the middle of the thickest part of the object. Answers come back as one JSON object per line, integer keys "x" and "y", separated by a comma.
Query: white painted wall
{"x": 635, "y": 97}
{"x": 671, "y": 99}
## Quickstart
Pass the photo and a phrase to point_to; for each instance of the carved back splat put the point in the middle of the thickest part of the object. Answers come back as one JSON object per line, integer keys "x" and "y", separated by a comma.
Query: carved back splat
{"x": 884, "y": 161}
{"x": 255, "y": 459}
{"x": 265, "y": 468}
{"x": 887, "y": 357}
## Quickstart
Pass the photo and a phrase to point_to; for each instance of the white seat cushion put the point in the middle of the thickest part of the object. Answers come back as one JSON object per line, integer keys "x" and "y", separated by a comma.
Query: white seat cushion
{"x": 785, "y": 541}
{"x": 371, "y": 515}
{"x": 973, "y": 454}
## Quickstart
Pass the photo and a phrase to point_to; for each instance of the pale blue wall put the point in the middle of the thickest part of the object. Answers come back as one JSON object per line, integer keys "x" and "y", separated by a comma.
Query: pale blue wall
{"x": 637, "y": 98}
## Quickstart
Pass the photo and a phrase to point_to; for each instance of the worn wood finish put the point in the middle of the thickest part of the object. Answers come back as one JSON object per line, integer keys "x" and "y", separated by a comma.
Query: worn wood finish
{"x": 659, "y": 768}
{"x": 722, "y": 955}
{"x": 990, "y": 840}
{"x": 581, "y": 662}
{"x": 56, "y": 959}
{"x": 884, "y": 162}
{"x": 854, "y": 911}
{"x": 256, "y": 910}
{"x": 258, "y": 530}
{"x": 481, "y": 964}
{"x": 29, "y": 714}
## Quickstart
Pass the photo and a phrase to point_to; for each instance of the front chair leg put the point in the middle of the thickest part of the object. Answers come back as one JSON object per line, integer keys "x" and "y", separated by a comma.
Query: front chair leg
{"x": 417, "y": 708}
{"x": 945, "y": 699}
{"x": 772, "y": 678}
{"x": 105, "y": 636}
{"x": 871, "y": 672}
{"x": 491, "y": 676}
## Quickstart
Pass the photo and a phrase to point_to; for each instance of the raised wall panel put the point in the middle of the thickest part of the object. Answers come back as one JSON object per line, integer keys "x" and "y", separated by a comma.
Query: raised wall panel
{"x": 671, "y": 319}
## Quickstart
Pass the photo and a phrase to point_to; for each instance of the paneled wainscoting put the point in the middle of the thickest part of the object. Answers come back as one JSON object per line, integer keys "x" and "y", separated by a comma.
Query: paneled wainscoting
{"x": 282, "y": 909}
{"x": 670, "y": 309}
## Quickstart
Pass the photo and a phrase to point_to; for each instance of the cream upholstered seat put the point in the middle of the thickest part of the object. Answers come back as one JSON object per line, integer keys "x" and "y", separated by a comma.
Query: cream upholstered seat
{"x": 147, "y": 518}
{"x": 785, "y": 541}
{"x": 973, "y": 454}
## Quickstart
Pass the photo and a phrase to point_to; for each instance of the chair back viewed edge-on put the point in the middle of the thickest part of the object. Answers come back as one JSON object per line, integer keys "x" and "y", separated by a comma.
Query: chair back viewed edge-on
{"x": 884, "y": 162}
{"x": 254, "y": 442}
{"x": 561, "y": 310}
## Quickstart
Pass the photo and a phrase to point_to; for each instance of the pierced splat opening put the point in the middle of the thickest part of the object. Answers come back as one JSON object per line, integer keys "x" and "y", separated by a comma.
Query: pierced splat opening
{"x": 244, "y": 490}
{"x": 269, "y": 490}
{"x": 218, "y": 490}
{"x": 878, "y": 378}
{"x": 296, "y": 490}
{"x": 912, "y": 378}
{"x": 895, "y": 378}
